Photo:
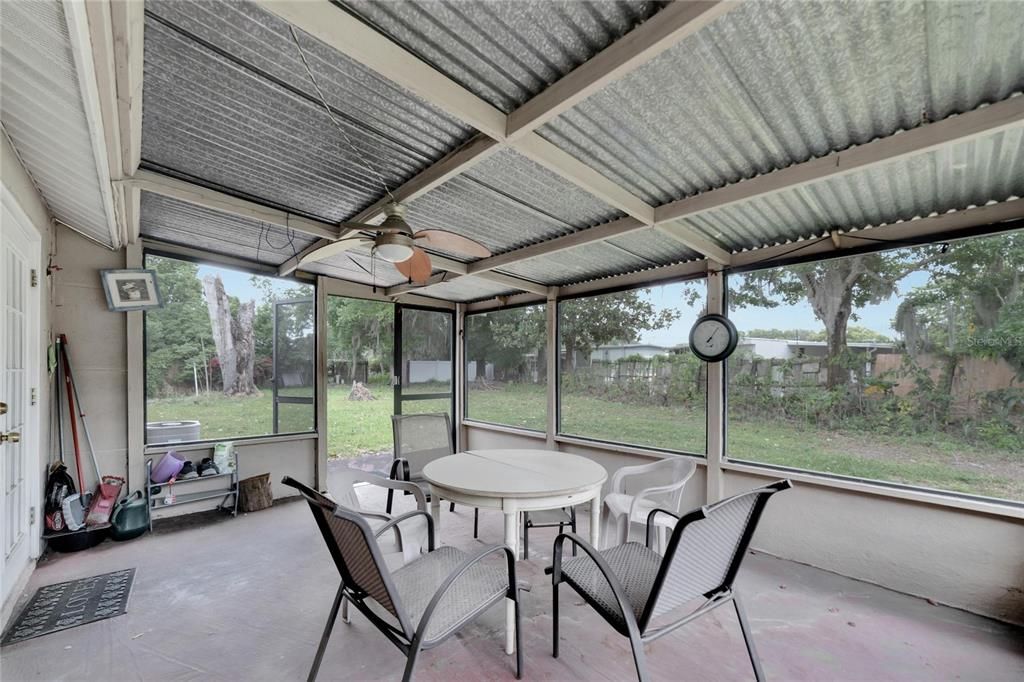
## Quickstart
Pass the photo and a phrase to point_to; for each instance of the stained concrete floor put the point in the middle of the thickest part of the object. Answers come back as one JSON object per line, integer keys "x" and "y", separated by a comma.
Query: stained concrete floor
{"x": 246, "y": 598}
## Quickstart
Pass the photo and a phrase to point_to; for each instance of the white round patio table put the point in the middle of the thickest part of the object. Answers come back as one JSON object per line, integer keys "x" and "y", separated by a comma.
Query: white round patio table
{"x": 516, "y": 481}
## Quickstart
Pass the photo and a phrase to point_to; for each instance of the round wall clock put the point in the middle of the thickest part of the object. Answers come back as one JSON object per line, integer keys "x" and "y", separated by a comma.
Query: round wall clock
{"x": 713, "y": 338}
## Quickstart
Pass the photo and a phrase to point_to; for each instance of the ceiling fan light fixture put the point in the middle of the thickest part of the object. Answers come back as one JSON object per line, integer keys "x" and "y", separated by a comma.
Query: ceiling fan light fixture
{"x": 393, "y": 248}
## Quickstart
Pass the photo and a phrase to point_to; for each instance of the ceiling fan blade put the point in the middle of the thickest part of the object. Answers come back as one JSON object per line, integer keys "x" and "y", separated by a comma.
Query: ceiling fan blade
{"x": 417, "y": 267}
{"x": 333, "y": 249}
{"x": 449, "y": 241}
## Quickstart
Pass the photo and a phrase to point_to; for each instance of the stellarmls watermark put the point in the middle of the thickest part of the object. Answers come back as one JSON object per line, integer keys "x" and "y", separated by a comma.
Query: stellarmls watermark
{"x": 996, "y": 341}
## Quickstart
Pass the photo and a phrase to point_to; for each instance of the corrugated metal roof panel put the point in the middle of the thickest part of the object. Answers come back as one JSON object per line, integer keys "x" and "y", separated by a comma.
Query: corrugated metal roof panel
{"x": 512, "y": 175}
{"x": 187, "y": 224}
{"x": 581, "y": 264}
{"x": 956, "y": 176}
{"x": 504, "y": 51}
{"x": 228, "y": 101}
{"x": 44, "y": 115}
{"x": 655, "y": 247}
{"x": 470, "y": 209}
{"x": 770, "y": 84}
{"x": 507, "y": 201}
{"x": 464, "y": 289}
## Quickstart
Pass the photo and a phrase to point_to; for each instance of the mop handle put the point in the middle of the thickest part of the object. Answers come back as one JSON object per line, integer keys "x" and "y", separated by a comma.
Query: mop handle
{"x": 71, "y": 413}
{"x": 81, "y": 412}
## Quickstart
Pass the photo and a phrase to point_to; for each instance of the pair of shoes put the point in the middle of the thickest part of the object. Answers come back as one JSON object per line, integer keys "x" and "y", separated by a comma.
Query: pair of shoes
{"x": 208, "y": 468}
{"x": 187, "y": 471}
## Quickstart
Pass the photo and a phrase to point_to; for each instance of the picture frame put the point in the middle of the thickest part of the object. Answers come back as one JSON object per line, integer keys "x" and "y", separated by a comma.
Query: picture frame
{"x": 131, "y": 289}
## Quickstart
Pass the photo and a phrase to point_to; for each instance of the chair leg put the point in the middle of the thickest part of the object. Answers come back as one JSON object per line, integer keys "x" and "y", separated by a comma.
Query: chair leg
{"x": 554, "y": 620}
{"x": 344, "y": 611}
{"x": 572, "y": 525}
{"x": 519, "y": 640}
{"x": 327, "y": 634}
{"x": 391, "y": 497}
{"x": 748, "y": 638}
{"x": 476, "y": 523}
{"x": 410, "y": 662}
{"x": 638, "y": 656}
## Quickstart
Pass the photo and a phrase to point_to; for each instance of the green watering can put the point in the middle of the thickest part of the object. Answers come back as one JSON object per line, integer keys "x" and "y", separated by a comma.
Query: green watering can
{"x": 130, "y": 518}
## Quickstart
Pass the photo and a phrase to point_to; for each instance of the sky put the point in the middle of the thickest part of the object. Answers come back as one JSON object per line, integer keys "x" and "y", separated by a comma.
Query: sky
{"x": 237, "y": 283}
{"x": 876, "y": 317}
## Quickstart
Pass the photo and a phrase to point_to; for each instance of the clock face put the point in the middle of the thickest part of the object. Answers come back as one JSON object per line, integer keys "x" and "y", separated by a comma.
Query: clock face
{"x": 713, "y": 338}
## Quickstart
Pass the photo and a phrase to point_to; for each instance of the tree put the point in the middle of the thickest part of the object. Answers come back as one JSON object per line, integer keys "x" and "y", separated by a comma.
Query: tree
{"x": 359, "y": 329}
{"x": 178, "y": 334}
{"x": 589, "y": 322}
{"x": 973, "y": 304}
{"x": 233, "y": 337}
{"x": 833, "y": 289}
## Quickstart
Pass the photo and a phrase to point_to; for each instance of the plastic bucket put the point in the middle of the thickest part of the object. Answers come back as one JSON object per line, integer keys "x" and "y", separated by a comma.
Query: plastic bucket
{"x": 167, "y": 468}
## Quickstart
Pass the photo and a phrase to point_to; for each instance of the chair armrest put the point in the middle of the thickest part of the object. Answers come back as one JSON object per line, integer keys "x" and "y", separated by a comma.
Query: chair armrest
{"x": 405, "y": 517}
{"x": 656, "y": 490}
{"x": 401, "y": 485}
{"x": 606, "y": 571}
{"x": 650, "y": 522}
{"x": 399, "y": 469}
{"x": 460, "y": 570}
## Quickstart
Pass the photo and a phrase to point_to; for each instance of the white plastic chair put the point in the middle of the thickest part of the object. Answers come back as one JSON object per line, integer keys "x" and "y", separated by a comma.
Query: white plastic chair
{"x": 630, "y": 502}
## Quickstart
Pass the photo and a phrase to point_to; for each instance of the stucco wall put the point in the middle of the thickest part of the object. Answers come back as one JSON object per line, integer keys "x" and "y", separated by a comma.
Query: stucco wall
{"x": 969, "y": 560}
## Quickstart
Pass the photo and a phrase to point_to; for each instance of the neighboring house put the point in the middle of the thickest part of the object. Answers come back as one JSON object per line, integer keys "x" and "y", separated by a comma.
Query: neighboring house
{"x": 613, "y": 352}
{"x": 786, "y": 349}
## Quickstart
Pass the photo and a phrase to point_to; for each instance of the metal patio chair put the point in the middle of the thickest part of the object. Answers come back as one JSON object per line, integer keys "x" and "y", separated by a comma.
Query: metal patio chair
{"x": 419, "y": 440}
{"x": 422, "y": 603}
{"x": 631, "y": 586}
{"x": 636, "y": 490}
{"x": 547, "y": 518}
{"x": 342, "y": 490}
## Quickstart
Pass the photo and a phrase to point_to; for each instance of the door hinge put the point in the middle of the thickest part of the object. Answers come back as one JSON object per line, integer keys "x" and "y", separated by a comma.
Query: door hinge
{"x": 33, "y": 277}
{"x": 31, "y": 516}
{"x": 32, "y": 395}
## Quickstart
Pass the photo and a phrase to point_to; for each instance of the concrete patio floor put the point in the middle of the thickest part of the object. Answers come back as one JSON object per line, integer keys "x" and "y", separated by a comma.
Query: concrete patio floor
{"x": 247, "y": 598}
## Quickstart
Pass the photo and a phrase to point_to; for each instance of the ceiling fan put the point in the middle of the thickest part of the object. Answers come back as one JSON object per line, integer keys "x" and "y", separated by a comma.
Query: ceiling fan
{"x": 394, "y": 241}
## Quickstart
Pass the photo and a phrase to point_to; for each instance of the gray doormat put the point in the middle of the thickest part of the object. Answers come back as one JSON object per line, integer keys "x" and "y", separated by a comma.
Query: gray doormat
{"x": 76, "y": 602}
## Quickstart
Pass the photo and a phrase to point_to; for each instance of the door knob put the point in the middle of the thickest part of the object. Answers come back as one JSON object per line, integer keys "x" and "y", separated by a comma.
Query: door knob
{"x": 3, "y": 408}
{"x": 11, "y": 437}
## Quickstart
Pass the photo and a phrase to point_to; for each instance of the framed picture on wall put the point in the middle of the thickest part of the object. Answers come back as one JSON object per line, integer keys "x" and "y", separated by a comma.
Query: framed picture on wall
{"x": 131, "y": 289}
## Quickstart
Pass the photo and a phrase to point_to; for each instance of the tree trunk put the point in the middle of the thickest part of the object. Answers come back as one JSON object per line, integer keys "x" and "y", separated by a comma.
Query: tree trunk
{"x": 234, "y": 339}
{"x": 831, "y": 297}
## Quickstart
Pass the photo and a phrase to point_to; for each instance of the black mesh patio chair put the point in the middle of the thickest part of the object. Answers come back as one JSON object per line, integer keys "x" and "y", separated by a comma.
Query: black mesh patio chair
{"x": 419, "y": 440}
{"x": 547, "y": 518}
{"x": 419, "y": 605}
{"x": 632, "y": 586}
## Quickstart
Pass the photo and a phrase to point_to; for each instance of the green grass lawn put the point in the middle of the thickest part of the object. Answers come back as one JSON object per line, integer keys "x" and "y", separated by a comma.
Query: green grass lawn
{"x": 359, "y": 427}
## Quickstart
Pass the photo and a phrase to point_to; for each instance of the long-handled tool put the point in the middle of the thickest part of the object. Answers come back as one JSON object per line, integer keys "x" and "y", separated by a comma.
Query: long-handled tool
{"x": 81, "y": 409}
{"x": 61, "y": 340}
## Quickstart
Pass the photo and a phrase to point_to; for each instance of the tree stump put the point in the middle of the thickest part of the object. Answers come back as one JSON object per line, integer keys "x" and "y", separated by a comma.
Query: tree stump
{"x": 360, "y": 392}
{"x": 254, "y": 493}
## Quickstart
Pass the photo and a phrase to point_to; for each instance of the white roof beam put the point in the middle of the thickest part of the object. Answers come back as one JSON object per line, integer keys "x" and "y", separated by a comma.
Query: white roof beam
{"x": 925, "y": 230}
{"x": 351, "y": 37}
{"x": 219, "y": 201}
{"x": 984, "y": 121}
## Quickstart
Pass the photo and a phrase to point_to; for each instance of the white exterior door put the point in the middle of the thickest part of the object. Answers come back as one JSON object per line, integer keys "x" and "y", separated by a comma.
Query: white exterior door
{"x": 19, "y": 390}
